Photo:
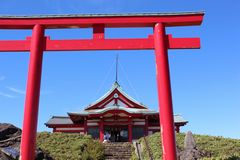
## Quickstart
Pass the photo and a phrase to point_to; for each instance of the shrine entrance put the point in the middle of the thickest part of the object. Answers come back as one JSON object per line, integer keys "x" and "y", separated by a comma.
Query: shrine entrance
{"x": 158, "y": 41}
{"x": 117, "y": 133}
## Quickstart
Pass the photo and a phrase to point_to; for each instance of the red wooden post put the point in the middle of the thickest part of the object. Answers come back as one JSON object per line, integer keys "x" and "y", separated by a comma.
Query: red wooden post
{"x": 177, "y": 129}
{"x": 101, "y": 131}
{"x": 130, "y": 130}
{"x": 98, "y": 31}
{"x": 85, "y": 125}
{"x": 164, "y": 94}
{"x": 146, "y": 126}
{"x": 28, "y": 141}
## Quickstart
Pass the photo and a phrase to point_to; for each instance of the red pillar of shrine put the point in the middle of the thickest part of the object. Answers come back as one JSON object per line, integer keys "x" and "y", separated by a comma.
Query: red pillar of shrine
{"x": 101, "y": 131}
{"x": 28, "y": 141}
{"x": 130, "y": 130}
{"x": 146, "y": 125}
{"x": 177, "y": 129}
{"x": 164, "y": 93}
{"x": 85, "y": 125}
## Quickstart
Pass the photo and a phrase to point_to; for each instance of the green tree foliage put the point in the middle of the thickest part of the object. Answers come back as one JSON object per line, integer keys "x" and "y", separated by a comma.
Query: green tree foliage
{"x": 62, "y": 146}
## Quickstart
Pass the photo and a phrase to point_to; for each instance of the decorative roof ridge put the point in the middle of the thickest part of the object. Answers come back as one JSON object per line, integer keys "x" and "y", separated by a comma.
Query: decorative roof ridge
{"x": 179, "y": 117}
{"x": 131, "y": 98}
{"x": 60, "y": 117}
{"x": 117, "y": 86}
{"x": 102, "y": 110}
{"x": 114, "y": 86}
{"x": 177, "y": 114}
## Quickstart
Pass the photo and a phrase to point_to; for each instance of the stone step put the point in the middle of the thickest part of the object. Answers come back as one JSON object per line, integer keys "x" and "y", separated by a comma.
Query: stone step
{"x": 116, "y": 158}
{"x": 120, "y": 158}
{"x": 117, "y": 144}
{"x": 123, "y": 150}
{"x": 117, "y": 147}
{"x": 111, "y": 153}
{"x": 118, "y": 151}
{"x": 127, "y": 158}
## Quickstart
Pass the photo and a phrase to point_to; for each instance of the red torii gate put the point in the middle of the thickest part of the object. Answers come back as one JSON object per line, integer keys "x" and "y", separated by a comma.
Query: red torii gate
{"x": 159, "y": 41}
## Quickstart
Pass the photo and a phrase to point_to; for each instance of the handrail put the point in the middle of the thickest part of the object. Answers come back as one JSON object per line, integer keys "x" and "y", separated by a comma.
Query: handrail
{"x": 148, "y": 148}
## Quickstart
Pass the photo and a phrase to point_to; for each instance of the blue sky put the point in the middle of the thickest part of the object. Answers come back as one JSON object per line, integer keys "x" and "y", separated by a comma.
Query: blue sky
{"x": 205, "y": 82}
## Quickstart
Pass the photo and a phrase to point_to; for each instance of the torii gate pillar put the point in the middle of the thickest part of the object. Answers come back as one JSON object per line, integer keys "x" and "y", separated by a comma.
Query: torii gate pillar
{"x": 164, "y": 94}
{"x": 28, "y": 142}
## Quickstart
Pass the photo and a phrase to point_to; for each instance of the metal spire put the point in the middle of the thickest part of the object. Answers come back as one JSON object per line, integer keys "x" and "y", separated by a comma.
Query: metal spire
{"x": 116, "y": 80}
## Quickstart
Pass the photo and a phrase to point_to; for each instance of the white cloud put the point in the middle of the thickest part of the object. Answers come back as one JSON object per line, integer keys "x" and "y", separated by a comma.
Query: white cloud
{"x": 16, "y": 90}
{"x": 23, "y": 92}
{"x": 2, "y": 78}
{"x": 6, "y": 95}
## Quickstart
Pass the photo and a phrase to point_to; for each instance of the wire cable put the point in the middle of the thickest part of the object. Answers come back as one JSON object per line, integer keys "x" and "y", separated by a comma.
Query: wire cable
{"x": 105, "y": 79}
{"x": 129, "y": 82}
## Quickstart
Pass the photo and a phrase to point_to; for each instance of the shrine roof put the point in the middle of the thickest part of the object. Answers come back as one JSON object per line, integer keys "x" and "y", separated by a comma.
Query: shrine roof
{"x": 103, "y": 15}
{"x": 118, "y": 87}
{"x": 179, "y": 119}
{"x": 56, "y": 120}
{"x": 114, "y": 107}
{"x": 60, "y": 120}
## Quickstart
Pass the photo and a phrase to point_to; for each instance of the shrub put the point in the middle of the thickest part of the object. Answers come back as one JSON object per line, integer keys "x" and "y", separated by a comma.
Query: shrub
{"x": 62, "y": 146}
{"x": 216, "y": 148}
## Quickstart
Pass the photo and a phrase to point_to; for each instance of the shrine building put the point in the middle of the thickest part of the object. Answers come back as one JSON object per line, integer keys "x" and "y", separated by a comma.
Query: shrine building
{"x": 124, "y": 118}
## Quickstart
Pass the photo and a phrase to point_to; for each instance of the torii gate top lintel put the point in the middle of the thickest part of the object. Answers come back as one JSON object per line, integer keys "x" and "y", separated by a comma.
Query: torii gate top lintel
{"x": 99, "y": 22}
{"x": 108, "y": 20}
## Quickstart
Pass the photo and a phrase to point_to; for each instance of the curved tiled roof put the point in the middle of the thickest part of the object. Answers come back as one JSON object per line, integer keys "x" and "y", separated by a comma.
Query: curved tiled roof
{"x": 56, "y": 120}
{"x": 60, "y": 120}
{"x": 179, "y": 119}
{"x": 114, "y": 107}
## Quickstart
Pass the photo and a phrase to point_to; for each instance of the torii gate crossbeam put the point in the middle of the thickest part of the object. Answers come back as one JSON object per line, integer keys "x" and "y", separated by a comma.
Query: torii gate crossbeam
{"x": 159, "y": 41}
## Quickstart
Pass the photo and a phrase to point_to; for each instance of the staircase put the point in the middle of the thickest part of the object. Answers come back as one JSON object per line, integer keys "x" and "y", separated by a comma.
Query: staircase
{"x": 118, "y": 151}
